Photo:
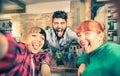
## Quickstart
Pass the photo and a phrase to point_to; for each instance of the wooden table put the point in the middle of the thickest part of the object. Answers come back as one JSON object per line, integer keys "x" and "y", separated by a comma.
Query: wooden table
{"x": 63, "y": 69}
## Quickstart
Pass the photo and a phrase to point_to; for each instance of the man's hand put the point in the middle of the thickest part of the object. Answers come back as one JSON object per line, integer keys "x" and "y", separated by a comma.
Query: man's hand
{"x": 45, "y": 70}
{"x": 3, "y": 45}
{"x": 81, "y": 69}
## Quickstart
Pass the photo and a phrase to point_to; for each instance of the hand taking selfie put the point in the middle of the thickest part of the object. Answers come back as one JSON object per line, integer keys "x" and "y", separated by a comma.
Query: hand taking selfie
{"x": 3, "y": 45}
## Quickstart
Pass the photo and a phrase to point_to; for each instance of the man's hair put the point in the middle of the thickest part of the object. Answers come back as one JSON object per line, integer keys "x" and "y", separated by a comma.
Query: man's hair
{"x": 59, "y": 14}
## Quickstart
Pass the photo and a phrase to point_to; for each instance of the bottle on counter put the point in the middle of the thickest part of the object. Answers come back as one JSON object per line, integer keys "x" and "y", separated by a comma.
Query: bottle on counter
{"x": 111, "y": 25}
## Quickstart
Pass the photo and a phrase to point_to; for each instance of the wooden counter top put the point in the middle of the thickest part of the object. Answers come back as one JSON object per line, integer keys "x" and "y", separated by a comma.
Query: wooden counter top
{"x": 63, "y": 69}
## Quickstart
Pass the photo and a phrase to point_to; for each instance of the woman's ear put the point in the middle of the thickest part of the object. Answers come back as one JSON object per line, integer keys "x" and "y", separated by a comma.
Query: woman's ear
{"x": 101, "y": 36}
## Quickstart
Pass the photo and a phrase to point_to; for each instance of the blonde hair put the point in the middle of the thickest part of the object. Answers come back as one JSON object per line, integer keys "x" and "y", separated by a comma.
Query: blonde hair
{"x": 32, "y": 30}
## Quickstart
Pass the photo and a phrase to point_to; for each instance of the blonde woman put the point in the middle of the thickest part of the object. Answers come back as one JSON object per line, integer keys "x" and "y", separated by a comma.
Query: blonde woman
{"x": 24, "y": 59}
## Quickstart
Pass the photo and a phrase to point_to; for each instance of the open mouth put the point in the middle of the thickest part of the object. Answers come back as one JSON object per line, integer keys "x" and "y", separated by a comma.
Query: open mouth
{"x": 85, "y": 46}
{"x": 59, "y": 32}
{"x": 36, "y": 46}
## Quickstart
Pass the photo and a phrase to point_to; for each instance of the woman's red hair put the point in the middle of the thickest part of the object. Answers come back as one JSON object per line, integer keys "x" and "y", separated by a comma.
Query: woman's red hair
{"x": 91, "y": 25}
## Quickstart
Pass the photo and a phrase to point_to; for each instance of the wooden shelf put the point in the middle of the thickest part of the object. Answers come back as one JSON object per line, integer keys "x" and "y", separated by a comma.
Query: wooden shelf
{"x": 112, "y": 19}
{"x": 112, "y": 30}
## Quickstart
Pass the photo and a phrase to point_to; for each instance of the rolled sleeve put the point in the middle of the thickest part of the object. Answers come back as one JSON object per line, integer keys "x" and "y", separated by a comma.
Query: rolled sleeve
{"x": 45, "y": 58}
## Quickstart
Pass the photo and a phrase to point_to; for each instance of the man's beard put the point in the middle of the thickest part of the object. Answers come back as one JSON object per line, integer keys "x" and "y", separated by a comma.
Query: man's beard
{"x": 59, "y": 32}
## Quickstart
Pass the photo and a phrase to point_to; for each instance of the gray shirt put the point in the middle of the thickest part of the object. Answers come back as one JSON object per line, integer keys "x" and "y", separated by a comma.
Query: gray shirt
{"x": 62, "y": 44}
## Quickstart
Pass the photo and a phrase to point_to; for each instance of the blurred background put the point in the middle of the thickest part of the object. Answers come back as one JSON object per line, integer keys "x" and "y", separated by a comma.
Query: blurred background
{"x": 16, "y": 16}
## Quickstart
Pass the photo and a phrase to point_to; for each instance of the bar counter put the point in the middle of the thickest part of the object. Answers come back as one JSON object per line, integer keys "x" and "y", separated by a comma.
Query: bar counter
{"x": 63, "y": 69}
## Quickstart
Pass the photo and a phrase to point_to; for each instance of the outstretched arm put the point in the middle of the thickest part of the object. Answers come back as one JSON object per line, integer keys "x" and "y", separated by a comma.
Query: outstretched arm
{"x": 7, "y": 50}
{"x": 3, "y": 45}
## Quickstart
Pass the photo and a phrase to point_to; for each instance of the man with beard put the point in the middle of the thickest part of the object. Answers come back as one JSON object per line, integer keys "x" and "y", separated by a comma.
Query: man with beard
{"x": 59, "y": 37}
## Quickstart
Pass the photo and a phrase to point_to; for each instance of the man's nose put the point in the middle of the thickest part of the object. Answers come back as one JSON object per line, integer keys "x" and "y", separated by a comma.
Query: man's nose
{"x": 59, "y": 25}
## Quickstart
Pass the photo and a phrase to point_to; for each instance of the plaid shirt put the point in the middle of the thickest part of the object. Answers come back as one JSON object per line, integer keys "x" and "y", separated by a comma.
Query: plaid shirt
{"x": 17, "y": 61}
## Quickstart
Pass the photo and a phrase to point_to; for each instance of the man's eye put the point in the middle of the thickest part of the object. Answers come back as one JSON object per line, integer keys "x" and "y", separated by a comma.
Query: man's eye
{"x": 62, "y": 23}
{"x": 56, "y": 23}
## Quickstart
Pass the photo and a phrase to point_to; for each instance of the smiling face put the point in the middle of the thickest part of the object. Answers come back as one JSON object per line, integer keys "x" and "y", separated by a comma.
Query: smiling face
{"x": 90, "y": 40}
{"x": 35, "y": 40}
{"x": 90, "y": 35}
{"x": 59, "y": 26}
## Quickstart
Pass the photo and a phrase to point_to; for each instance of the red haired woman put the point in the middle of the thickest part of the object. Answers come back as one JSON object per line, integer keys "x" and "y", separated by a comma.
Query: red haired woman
{"x": 102, "y": 57}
